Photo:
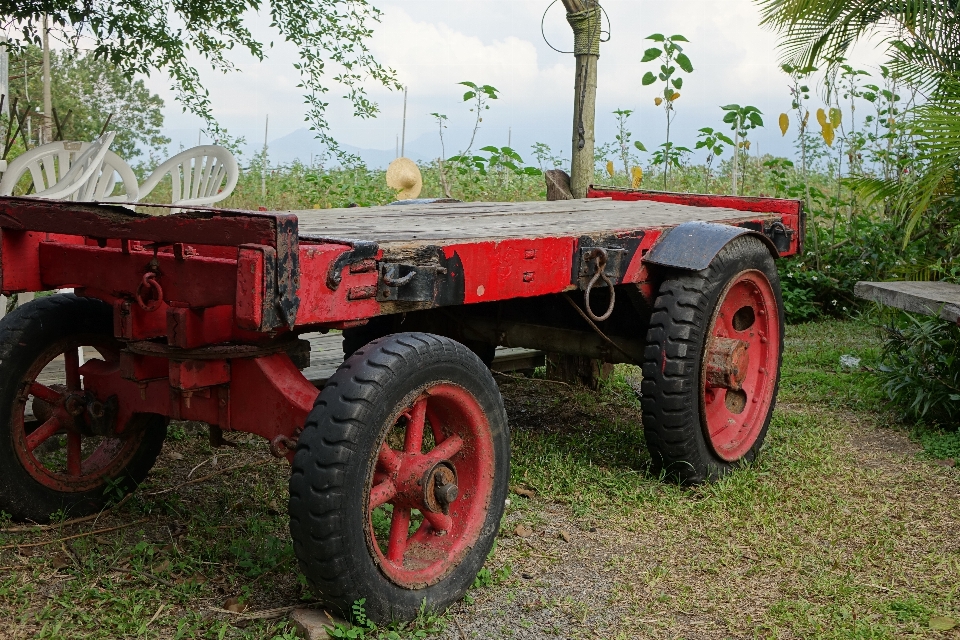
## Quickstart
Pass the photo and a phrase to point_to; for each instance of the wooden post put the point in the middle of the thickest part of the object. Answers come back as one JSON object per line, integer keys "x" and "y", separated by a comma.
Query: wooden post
{"x": 584, "y": 19}
{"x": 47, "y": 128}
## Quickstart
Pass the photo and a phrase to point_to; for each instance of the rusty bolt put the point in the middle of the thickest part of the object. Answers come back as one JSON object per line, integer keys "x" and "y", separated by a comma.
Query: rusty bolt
{"x": 446, "y": 493}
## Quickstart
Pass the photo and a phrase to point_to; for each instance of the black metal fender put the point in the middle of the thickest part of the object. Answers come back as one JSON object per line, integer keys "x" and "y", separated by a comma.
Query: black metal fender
{"x": 692, "y": 246}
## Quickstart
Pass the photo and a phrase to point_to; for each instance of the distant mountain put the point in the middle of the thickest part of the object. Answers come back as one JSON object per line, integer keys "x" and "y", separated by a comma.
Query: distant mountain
{"x": 301, "y": 145}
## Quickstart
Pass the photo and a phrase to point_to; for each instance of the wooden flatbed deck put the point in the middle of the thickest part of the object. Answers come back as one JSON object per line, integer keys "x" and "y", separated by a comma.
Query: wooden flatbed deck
{"x": 480, "y": 221}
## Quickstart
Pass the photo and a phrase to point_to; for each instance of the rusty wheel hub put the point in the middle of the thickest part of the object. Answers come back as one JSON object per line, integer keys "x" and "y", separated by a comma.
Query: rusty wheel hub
{"x": 727, "y": 363}
{"x": 440, "y": 487}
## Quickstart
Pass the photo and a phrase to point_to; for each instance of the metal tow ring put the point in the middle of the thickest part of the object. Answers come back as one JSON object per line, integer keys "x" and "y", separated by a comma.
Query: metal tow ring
{"x": 150, "y": 282}
{"x": 599, "y": 256}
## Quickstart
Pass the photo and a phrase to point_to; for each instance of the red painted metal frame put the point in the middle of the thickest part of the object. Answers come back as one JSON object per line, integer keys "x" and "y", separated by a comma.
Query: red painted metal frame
{"x": 247, "y": 277}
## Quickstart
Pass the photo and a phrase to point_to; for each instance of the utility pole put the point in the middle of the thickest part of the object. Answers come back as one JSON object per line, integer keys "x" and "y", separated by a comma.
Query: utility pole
{"x": 46, "y": 131}
{"x": 584, "y": 19}
{"x": 403, "y": 138}
{"x": 263, "y": 167}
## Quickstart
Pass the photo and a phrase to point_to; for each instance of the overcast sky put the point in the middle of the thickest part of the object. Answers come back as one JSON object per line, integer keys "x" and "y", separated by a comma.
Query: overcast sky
{"x": 433, "y": 44}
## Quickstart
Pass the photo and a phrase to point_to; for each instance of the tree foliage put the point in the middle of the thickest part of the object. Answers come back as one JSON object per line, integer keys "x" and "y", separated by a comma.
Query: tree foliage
{"x": 140, "y": 36}
{"x": 86, "y": 92}
{"x": 923, "y": 39}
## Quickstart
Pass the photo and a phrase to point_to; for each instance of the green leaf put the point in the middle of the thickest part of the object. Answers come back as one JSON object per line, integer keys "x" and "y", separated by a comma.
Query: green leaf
{"x": 730, "y": 118}
{"x": 650, "y": 54}
{"x": 724, "y": 138}
{"x": 648, "y": 78}
{"x": 731, "y": 107}
{"x": 677, "y": 83}
{"x": 656, "y": 37}
{"x": 678, "y": 38}
{"x": 469, "y": 84}
{"x": 469, "y": 95}
{"x": 639, "y": 145}
{"x": 685, "y": 63}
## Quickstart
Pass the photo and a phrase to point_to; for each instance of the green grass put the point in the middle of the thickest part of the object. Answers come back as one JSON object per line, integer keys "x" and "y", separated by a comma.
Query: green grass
{"x": 840, "y": 530}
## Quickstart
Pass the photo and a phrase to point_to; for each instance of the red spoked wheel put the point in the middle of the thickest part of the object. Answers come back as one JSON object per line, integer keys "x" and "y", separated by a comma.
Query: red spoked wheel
{"x": 400, "y": 476}
{"x": 739, "y": 369}
{"x": 62, "y": 433}
{"x": 433, "y": 477}
{"x": 712, "y": 363}
{"x": 61, "y": 447}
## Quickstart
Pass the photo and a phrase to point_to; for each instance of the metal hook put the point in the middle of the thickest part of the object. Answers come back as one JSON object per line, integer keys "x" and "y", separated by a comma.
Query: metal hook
{"x": 599, "y": 256}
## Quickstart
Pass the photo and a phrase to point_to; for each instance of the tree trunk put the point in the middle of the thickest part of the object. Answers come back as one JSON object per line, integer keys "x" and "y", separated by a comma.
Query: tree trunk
{"x": 584, "y": 19}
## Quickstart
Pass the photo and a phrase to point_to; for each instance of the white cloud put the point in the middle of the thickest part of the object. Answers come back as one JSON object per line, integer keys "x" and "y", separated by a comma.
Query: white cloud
{"x": 433, "y": 44}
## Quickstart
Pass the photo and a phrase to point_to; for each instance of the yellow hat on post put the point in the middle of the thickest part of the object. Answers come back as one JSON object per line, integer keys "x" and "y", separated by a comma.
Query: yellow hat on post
{"x": 403, "y": 174}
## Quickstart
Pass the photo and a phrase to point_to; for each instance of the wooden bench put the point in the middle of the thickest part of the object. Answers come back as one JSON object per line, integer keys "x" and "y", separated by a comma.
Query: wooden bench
{"x": 940, "y": 299}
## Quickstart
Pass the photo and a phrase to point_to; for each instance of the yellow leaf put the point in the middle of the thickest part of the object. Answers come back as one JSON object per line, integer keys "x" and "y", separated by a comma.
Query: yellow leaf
{"x": 835, "y": 117}
{"x": 674, "y": 97}
{"x": 746, "y": 145}
{"x": 637, "y": 177}
{"x": 822, "y": 117}
{"x": 784, "y": 123}
{"x": 939, "y": 623}
{"x": 610, "y": 167}
{"x": 827, "y": 132}
{"x": 806, "y": 119}
{"x": 658, "y": 101}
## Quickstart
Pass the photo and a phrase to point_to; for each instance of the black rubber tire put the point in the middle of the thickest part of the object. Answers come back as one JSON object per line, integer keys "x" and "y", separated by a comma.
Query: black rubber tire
{"x": 356, "y": 337}
{"x": 25, "y": 334}
{"x": 337, "y": 452}
{"x": 673, "y": 357}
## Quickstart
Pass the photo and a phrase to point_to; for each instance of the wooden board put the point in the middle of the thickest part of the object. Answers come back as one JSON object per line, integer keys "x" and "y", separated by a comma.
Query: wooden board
{"x": 929, "y": 298}
{"x": 476, "y": 221}
{"x": 326, "y": 355}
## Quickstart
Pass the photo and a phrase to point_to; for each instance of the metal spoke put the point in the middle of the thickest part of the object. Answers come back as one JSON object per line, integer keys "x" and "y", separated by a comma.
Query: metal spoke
{"x": 446, "y": 449}
{"x": 71, "y": 364}
{"x": 435, "y": 426}
{"x": 413, "y": 438}
{"x": 398, "y": 534}
{"x": 382, "y": 493}
{"x": 388, "y": 460}
{"x": 74, "y": 453}
{"x": 45, "y": 393}
{"x": 439, "y": 521}
{"x": 42, "y": 433}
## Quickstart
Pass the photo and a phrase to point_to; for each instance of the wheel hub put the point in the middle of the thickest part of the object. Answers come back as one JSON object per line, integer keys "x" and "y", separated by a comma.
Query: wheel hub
{"x": 727, "y": 363}
{"x": 440, "y": 487}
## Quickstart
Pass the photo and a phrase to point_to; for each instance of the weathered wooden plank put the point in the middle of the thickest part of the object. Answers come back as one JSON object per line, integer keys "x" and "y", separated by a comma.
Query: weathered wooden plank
{"x": 443, "y": 223}
{"x": 929, "y": 298}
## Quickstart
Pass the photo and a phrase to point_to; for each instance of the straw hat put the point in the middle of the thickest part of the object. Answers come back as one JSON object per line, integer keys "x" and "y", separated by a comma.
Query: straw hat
{"x": 404, "y": 175}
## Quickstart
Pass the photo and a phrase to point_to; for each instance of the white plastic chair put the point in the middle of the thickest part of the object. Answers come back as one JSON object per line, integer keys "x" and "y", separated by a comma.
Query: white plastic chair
{"x": 201, "y": 175}
{"x": 93, "y": 178}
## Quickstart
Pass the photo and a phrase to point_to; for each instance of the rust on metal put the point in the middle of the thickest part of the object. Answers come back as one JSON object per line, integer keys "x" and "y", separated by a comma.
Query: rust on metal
{"x": 727, "y": 363}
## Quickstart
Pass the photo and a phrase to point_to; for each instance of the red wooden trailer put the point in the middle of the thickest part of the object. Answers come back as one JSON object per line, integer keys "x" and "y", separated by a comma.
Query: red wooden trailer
{"x": 400, "y": 463}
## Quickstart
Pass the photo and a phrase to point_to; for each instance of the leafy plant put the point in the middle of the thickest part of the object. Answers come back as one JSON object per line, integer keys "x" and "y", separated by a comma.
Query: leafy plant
{"x": 741, "y": 120}
{"x": 479, "y": 96}
{"x": 441, "y": 125}
{"x": 713, "y": 142}
{"x": 623, "y": 140}
{"x": 920, "y": 368}
{"x": 670, "y": 56}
